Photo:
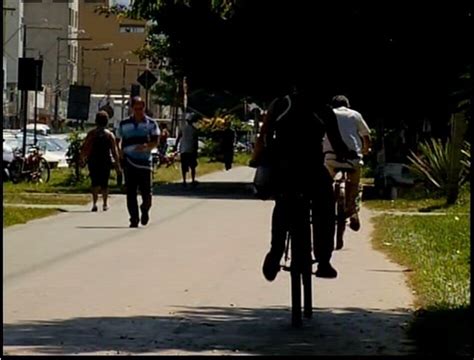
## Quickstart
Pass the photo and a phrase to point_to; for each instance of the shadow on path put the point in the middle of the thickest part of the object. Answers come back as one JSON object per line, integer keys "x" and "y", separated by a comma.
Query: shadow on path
{"x": 209, "y": 190}
{"x": 244, "y": 330}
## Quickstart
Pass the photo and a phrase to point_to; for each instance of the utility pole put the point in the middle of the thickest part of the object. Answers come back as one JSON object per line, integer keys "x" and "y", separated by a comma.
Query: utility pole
{"x": 24, "y": 98}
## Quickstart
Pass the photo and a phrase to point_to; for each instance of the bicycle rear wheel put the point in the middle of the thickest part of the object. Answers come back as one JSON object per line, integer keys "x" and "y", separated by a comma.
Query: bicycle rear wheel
{"x": 340, "y": 216}
{"x": 296, "y": 298}
{"x": 307, "y": 292}
{"x": 44, "y": 171}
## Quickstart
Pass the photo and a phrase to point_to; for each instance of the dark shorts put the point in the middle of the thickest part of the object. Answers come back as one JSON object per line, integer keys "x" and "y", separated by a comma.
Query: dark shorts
{"x": 99, "y": 174}
{"x": 188, "y": 160}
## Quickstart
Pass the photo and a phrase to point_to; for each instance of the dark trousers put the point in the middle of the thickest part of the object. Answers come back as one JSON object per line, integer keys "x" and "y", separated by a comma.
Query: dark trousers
{"x": 137, "y": 179}
{"x": 292, "y": 213}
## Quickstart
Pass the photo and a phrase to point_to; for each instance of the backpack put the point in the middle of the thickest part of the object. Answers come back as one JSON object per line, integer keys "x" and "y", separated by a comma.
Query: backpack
{"x": 293, "y": 148}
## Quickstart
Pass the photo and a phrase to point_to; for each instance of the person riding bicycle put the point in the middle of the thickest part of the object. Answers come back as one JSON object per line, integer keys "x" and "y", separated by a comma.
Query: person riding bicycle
{"x": 356, "y": 135}
{"x": 297, "y": 121}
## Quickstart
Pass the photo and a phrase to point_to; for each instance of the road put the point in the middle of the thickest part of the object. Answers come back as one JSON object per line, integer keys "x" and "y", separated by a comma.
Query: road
{"x": 189, "y": 283}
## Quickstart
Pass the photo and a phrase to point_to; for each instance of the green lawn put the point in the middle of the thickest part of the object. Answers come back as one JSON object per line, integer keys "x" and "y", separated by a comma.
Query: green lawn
{"x": 14, "y": 215}
{"x": 437, "y": 250}
{"x": 62, "y": 180}
{"x": 418, "y": 200}
{"x": 46, "y": 198}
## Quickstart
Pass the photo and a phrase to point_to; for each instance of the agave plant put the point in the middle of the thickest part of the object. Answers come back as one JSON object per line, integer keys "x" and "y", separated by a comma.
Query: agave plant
{"x": 435, "y": 164}
{"x": 466, "y": 154}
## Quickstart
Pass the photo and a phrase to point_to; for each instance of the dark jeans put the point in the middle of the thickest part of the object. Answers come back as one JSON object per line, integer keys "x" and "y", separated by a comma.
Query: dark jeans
{"x": 291, "y": 213}
{"x": 137, "y": 179}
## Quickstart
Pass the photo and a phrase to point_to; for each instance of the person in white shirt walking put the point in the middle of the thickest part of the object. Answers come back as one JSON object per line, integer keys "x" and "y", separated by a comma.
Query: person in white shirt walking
{"x": 356, "y": 135}
{"x": 188, "y": 139}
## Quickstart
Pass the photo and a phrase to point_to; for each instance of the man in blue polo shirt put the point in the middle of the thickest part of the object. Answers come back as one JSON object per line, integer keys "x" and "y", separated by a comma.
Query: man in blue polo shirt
{"x": 137, "y": 136}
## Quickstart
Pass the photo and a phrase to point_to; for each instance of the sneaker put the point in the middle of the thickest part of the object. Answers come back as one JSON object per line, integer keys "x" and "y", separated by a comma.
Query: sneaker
{"x": 325, "y": 270}
{"x": 134, "y": 224}
{"x": 105, "y": 208}
{"x": 94, "y": 208}
{"x": 354, "y": 222}
{"x": 145, "y": 217}
{"x": 271, "y": 266}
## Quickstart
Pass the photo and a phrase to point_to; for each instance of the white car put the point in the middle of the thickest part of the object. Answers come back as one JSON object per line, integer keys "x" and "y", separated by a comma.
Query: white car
{"x": 41, "y": 129}
{"x": 53, "y": 152}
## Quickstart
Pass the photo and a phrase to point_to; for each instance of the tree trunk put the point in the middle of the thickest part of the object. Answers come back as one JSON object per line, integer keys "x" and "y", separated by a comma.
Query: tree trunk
{"x": 458, "y": 129}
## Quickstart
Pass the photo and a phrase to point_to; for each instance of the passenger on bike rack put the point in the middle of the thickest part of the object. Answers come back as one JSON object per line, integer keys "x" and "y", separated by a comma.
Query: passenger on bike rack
{"x": 356, "y": 135}
{"x": 297, "y": 121}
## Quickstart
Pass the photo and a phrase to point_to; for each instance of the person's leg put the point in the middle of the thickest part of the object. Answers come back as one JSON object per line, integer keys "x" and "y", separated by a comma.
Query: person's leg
{"x": 145, "y": 186}
{"x": 352, "y": 190}
{"x": 184, "y": 166}
{"x": 279, "y": 231}
{"x": 131, "y": 184}
{"x": 324, "y": 225}
{"x": 95, "y": 197}
{"x": 105, "y": 187}
{"x": 193, "y": 165}
{"x": 93, "y": 174}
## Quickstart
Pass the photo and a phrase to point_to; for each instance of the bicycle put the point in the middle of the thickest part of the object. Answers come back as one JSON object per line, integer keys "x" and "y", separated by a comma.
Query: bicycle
{"x": 33, "y": 167}
{"x": 340, "y": 196}
{"x": 300, "y": 268}
{"x": 340, "y": 179}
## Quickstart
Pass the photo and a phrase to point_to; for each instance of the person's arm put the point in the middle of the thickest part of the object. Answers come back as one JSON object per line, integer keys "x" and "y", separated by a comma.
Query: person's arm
{"x": 154, "y": 134}
{"x": 178, "y": 139}
{"x": 115, "y": 152}
{"x": 118, "y": 141}
{"x": 364, "y": 133}
{"x": 260, "y": 141}
{"x": 85, "y": 149}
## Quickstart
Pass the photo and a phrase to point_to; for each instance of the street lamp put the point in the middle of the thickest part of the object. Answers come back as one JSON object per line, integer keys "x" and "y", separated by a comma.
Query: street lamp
{"x": 102, "y": 47}
{"x": 56, "y": 94}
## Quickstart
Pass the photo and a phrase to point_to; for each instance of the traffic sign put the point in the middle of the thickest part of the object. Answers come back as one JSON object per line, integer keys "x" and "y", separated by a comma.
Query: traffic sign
{"x": 147, "y": 79}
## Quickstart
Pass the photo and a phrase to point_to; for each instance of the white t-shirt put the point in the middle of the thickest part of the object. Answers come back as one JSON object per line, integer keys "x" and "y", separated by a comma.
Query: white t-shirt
{"x": 352, "y": 127}
{"x": 189, "y": 139}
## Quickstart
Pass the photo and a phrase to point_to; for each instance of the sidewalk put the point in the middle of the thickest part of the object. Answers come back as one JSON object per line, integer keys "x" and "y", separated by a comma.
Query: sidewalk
{"x": 190, "y": 283}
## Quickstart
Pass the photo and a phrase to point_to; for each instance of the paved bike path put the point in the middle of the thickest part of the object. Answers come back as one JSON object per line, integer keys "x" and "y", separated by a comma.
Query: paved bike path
{"x": 189, "y": 283}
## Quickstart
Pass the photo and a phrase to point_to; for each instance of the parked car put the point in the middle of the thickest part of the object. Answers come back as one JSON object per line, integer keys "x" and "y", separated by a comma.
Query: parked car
{"x": 41, "y": 129}
{"x": 54, "y": 153}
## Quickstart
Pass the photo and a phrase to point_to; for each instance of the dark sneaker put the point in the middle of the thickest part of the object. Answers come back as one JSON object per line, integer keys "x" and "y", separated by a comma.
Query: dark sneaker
{"x": 94, "y": 208}
{"x": 325, "y": 270}
{"x": 134, "y": 224}
{"x": 105, "y": 208}
{"x": 354, "y": 222}
{"x": 145, "y": 217}
{"x": 271, "y": 266}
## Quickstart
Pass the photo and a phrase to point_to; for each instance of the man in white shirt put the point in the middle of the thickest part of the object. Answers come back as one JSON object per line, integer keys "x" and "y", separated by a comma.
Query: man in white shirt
{"x": 188, "y": 139}
{"x": 356, "y": 134}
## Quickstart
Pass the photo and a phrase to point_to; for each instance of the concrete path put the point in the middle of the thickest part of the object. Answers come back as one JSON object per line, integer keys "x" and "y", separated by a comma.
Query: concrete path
{"x": 189, "y": 283}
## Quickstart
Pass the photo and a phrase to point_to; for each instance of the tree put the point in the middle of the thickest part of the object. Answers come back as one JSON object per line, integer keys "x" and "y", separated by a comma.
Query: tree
{"x": 403, "y": 58}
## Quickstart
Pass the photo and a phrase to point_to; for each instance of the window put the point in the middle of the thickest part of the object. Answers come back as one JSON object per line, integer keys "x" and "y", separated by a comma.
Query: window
{"x": 32, "y": 1}
{"x": 132, "y": 28}
{"x": 70, "y": 17}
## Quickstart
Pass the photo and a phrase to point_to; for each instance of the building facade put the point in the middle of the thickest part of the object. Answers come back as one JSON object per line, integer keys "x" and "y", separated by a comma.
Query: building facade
{"x": 107, "y": 63}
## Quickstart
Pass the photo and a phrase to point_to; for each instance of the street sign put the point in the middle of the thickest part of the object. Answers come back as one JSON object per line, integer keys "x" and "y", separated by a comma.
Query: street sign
{"x": 147, "y": 79}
